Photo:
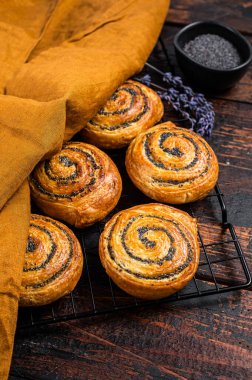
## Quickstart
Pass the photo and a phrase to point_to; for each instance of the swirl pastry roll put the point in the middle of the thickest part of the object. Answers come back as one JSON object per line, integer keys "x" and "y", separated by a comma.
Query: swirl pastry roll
{"x": 79, "y": 185}
{"x": 150, "y": 251}
{"x": 53, "y": 262}
{"x": 172, "y": 164}
{"x": 132, "y": 109}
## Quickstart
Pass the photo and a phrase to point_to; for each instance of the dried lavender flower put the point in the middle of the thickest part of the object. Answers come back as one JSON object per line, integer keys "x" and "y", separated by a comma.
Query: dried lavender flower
{"x": 192, "y": 106}
{"x": 146, "y": 79}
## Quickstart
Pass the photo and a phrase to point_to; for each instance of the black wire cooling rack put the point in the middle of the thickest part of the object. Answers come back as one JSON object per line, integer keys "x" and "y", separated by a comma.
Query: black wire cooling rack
{"x": 222, "y": 266}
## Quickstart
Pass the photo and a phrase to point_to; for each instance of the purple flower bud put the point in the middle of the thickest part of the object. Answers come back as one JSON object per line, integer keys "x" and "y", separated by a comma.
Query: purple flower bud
{"x": 188, "y": 91}
{"x": 192, "y": 106}
{"x": 146, "y": 79}
{"x": 183, "y": 98}
{"x": 167, "y": 77}
{"x": 177, "y": 81}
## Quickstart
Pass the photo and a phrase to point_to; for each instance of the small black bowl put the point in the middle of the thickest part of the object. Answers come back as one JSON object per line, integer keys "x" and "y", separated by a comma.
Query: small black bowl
{"x": 204, "y": 77}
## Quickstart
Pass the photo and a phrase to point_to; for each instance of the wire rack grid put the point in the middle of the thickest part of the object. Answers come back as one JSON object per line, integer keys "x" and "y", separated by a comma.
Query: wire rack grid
{"x": 222, "y": 265}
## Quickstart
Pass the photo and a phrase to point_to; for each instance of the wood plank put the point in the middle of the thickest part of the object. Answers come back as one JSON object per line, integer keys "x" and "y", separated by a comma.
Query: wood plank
{"x": 198, "y": 339}
{"x": 232, "y": 142}
{"x": 237, "y": 14}
{"x": 68, "y": 352}
{"x": 204, "y": 338}
{"x": 220, "y": 247}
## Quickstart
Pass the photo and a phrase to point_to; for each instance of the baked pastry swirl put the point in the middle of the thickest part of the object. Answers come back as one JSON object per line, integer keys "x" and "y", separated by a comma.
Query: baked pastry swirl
{"x": 53, "y": 262}
{"x": 79, "y": 185}
{"x": 150, "y": 251}
{"x": 172, "y": 164}
{"x": 133, "y": 108}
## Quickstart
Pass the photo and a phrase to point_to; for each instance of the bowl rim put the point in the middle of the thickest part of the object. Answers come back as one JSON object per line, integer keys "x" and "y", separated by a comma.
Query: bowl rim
{"x": 230, "y": 29}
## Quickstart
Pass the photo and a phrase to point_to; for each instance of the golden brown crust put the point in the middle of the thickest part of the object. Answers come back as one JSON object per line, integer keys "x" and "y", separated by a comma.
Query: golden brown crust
{"x": 79, "y": 185}
{"x": 150, "y": 251}
{"x": 53, "y": 262}
{"x": 172, "y": 164}
{"x": 132, "y": 109}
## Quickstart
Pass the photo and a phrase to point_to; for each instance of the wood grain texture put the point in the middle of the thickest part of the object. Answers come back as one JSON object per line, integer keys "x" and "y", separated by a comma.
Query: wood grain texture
{"x": 200, "y": 339}
{"x": 69, "y": 352}
{"x": 197, "y": 339}
{"x": 235, "y": 13}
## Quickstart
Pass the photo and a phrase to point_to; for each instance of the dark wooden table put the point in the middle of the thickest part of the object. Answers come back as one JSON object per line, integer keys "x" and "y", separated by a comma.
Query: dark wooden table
{"x": 207, "y": 338}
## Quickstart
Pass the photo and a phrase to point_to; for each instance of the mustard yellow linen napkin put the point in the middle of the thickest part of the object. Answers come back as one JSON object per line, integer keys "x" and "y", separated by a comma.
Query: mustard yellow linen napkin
{"x": 60, "y": 61}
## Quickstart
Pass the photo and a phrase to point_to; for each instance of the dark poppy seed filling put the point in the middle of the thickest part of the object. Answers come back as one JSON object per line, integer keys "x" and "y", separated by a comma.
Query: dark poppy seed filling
{"x": 96, "y": 171}
{"x": 134, "y": 92}
{"x": 88, "y": 155}
{"x": 159, "y": 164}
{"x": 48, "y": 172}
{"x": 67, "y": 196}
{"x": 65, "y": 161}
{"x": 51, "y": 254}
{"x": 175, "y": 152}
{"x": 149, "y": 245}
{"x": 31, "y": 245}
{"x": 114, "y": 97}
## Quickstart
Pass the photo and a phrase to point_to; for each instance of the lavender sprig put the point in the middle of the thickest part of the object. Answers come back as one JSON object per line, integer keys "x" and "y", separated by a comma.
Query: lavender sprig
{"x": 192, "y": 106}
{"x": 146, "y": 79}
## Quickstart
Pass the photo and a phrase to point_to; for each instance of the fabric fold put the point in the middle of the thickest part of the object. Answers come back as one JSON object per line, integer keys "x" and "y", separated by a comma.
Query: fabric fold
{"x": 88, "y": 70}
{"x": 35, "y": 130}
{"x": 61, "y": 60}
{"x": 14, "y": 223}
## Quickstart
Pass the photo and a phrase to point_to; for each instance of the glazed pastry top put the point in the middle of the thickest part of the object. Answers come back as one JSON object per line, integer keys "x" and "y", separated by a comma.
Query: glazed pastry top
{"x": 53, "y": 261}
{"x": 152, "y": 243}
{"x": 132, "y": 109}
{"x": 173, "y": 163}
